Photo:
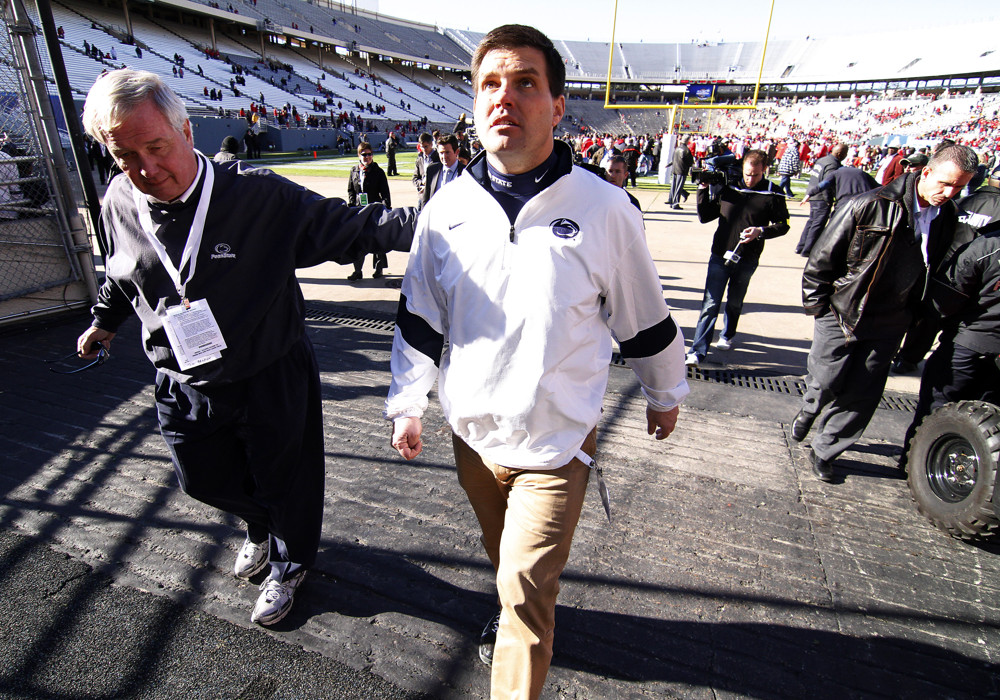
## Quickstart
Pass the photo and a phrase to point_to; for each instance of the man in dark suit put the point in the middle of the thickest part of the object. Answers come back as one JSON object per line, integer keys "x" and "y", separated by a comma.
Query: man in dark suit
{"x": 681, "y": 163}
{"x": 425, "y": 156}
{"x": 821, "y": 203}
{"x": 99, "y": 157}
{"x": 391, "y": 144}
{"x": 440, "y": 174}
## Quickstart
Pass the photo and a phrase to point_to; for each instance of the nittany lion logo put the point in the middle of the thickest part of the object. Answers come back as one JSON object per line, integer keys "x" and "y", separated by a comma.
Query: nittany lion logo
{"x": 222, "y": 251}
{"x": 565, "y": 228}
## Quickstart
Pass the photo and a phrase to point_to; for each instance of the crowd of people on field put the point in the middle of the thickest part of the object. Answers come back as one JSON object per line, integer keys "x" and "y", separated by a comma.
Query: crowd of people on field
{"x": 946, "y": 190}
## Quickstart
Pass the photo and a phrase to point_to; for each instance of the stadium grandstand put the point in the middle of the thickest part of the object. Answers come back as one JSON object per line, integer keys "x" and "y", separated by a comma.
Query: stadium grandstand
{"x": 327, "y": 66}
{"x": 305, "y": 76}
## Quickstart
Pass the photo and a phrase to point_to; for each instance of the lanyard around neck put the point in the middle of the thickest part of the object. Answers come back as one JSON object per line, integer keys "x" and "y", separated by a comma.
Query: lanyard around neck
{"x": 189, "y": 257}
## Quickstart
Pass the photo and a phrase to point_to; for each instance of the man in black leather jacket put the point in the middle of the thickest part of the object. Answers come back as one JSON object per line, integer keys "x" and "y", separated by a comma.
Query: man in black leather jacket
{"x": 865, "y": 280}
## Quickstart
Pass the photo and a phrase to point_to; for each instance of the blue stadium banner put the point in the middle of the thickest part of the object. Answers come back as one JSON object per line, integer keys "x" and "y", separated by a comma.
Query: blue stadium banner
{"x": 699, "y": 93}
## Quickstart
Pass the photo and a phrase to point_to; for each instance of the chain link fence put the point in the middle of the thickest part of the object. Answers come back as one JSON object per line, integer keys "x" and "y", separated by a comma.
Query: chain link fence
{"x": 39, "y": 264}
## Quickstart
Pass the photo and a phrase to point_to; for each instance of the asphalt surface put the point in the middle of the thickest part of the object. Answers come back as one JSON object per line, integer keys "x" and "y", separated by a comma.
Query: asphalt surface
{"x": 728, "y": 569}
{"x": 70, "y": 632}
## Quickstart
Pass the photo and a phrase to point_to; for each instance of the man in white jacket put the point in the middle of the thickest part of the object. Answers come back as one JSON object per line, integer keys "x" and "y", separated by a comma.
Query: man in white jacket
{"x": 526, "y": 266}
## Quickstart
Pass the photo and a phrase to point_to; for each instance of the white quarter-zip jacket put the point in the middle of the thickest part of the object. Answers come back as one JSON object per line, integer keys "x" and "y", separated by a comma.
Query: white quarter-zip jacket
{"x": 520, "y": 317}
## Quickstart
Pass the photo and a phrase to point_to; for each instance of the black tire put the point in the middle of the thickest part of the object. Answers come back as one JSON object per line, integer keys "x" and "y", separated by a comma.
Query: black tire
{"x": 952, "y": 467}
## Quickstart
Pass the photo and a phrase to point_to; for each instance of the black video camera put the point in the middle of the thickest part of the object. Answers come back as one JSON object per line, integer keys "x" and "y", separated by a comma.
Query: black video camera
{"x": 708, "y": 177}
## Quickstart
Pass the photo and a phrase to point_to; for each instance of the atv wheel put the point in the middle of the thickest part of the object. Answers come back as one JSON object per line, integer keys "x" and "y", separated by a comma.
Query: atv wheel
{"x": 952, "y": 467}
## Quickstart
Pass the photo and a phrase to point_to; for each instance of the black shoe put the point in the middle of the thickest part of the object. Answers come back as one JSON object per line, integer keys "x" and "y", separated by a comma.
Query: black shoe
{"x": 801, "y": 425}
{"x": 676, "y": 206}
{"x": 685, "y": 195}
{"x": 378, "y": 273}
{"x": 354, "y": 276}
{"x": 488, "y": 639}
{"x": 902, "y": 367}
{"x": 821, "y": 467}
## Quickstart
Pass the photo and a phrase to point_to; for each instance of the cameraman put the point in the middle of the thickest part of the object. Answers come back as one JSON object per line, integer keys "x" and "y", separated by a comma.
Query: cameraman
{"x": 749, "y": 209}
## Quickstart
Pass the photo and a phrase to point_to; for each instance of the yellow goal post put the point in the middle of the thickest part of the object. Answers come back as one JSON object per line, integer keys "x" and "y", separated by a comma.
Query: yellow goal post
{"x": 684, "y": 106}
{"x": 696, "y": 117}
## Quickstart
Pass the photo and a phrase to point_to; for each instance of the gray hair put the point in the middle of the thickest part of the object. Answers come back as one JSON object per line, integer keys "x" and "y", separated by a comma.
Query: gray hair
{"x": 116, "y": 95}
{"x": 962, "y": 156}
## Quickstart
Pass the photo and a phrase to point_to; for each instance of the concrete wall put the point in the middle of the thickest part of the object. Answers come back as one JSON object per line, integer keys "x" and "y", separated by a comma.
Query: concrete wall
{"x": 209, "y": 131}
{"x": 312, "y": 139}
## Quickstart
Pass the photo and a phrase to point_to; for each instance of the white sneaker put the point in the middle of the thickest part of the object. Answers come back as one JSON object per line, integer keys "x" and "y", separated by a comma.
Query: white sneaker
{"x": 251, "y": 559}
{"x": 276, "y": 599}
{"x": 691, "y": 360}
{"x": 488, "y": 639}
{"x": 724, "y": 343}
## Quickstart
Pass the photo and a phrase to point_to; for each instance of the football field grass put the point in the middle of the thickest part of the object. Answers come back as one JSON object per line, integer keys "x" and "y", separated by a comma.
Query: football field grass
{"x": 296, "y": 164}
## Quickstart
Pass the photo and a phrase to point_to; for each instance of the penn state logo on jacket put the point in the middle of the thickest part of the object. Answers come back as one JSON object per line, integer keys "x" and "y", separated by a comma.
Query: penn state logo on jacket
{"x": 564, "y": 228}
{"x": 222, "y": 251}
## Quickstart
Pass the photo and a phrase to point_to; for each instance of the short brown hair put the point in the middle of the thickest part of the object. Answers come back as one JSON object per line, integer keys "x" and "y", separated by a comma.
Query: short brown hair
{"x": 365, "y": 146}
{"x": 962, "y": 156}
{"x": 446, "y": 139}
{"x": 516, "y": 36}
{"x": 755, "y": 156}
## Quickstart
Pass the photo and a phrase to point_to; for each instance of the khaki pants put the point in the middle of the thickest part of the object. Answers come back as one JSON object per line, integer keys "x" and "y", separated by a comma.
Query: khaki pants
{"x": 528, "y": 518}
